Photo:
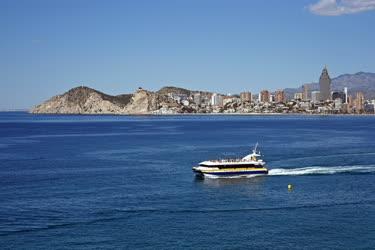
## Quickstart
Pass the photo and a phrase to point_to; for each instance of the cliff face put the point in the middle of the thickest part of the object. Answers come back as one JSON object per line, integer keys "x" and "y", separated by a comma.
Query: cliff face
{"x": 84, "y": 100}
{"x": 142, "y": 102}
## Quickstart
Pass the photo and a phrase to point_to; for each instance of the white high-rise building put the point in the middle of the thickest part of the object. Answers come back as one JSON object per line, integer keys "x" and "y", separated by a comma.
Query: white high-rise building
{"x": 346, "y": 94}
{"x": 216, "y": 100}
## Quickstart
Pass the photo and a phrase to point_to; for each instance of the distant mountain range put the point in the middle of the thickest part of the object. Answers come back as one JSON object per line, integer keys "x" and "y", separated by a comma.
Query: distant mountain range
{"x": 358, "y": 82}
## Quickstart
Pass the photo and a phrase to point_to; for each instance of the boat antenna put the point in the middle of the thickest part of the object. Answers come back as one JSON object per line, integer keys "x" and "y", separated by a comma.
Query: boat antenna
{"x": 255, "y": 148}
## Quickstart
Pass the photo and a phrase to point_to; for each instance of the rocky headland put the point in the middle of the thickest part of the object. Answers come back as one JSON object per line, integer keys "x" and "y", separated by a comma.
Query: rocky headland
{"x": 85, "y": 100}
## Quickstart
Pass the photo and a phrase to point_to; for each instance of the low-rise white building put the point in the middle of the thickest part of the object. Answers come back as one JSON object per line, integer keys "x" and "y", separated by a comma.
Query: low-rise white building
{"x": 315, "y": 96}
{"x": 298, "y": 96}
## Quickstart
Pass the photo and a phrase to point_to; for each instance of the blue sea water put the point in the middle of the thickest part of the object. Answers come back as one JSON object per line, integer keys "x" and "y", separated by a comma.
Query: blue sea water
{"x": 125, "y": 182}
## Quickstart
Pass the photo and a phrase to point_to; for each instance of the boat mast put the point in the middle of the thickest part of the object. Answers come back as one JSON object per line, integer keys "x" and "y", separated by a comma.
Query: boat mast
{"x": 255, "y": 148}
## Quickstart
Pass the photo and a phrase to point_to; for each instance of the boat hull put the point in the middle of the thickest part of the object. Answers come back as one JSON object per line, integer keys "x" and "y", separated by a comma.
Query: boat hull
{"x": 230, "y": 172}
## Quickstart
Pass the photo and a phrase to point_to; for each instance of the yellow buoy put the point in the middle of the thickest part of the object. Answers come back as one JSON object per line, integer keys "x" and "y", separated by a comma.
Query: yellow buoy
{"x": 290, "y": 186}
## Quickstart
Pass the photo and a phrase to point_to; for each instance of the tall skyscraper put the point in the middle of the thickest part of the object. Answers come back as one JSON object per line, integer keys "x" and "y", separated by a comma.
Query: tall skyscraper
{"x": 359, "y": 102}
{"x": 325, "y": 85}
{"x": 350, "y": 104}
{"x": 280, "y": 96}
{"x": 305, "y": 91}
{"x": 264, "y": 96}
{"x": 346, "y": 94}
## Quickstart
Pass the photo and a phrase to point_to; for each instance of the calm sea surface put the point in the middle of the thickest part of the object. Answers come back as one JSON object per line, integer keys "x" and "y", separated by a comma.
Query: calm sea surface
{"x": 82, "y": 182}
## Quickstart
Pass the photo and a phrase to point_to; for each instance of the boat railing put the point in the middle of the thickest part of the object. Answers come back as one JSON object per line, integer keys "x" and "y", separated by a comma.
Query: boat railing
{"x": 233, "y": 160}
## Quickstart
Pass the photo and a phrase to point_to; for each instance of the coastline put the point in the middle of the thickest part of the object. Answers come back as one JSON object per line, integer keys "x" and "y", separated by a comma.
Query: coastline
{"x": 191, "y": 114}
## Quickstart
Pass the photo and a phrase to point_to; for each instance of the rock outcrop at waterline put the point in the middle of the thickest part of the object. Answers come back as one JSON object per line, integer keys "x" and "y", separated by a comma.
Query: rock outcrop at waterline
{"x": 84, "y": 100}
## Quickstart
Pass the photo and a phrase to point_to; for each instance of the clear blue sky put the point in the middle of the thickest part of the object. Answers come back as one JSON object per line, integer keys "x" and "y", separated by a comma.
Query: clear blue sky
{"x": 48, "y": 47}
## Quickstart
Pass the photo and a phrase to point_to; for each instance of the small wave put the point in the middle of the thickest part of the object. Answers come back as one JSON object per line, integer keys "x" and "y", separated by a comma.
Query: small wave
{"x": 55, "y": 226}
{"x": 244, "y": 209}
{"x": 118, "y": 214}
{"x": 318, "y": 170}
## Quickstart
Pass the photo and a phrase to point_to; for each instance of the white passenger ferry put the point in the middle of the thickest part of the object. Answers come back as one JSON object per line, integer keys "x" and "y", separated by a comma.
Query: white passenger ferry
{"x": 246, "y": 166}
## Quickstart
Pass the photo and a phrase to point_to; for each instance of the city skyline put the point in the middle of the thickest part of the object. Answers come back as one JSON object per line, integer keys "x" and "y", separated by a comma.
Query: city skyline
{"x": 264, "y": 94}
{"x": 171, "y": 100}
{"x": 220, "y": 46}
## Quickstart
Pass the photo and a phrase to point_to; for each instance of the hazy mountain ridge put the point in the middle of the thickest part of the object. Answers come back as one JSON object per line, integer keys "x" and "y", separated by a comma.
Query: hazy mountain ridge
{"x": 358, "y": 82}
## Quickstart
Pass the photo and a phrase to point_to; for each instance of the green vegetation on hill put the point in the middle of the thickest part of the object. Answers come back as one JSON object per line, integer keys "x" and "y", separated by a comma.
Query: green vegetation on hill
{"x": 174, "y": 90}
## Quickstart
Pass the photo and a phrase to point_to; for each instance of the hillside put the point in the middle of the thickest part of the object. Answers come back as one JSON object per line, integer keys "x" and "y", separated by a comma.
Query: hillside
{"x": 175, "y": 90}
{"x": 81, "y": 100}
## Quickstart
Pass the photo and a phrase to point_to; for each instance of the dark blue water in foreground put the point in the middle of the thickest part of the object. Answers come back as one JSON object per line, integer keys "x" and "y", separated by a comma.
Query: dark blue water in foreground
{"x": 82, "y": 182}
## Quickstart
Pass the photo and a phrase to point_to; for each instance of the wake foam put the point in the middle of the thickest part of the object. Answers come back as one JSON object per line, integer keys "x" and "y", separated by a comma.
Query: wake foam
{"x": 315, "y": 170}
{"x": 322, "y": 170}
